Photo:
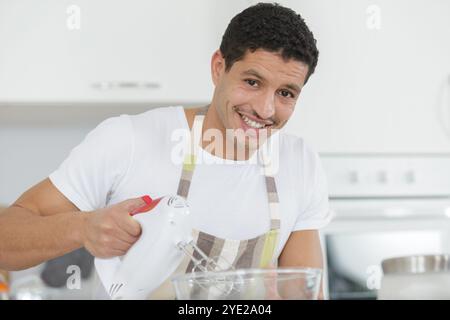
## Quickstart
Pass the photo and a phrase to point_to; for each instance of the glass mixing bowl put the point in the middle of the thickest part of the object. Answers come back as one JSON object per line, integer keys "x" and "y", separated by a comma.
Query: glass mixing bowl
{"x": 249, "y": 284}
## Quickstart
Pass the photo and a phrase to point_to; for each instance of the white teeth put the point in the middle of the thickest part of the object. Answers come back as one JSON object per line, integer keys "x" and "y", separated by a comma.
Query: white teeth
{"x": 252, "y": 123}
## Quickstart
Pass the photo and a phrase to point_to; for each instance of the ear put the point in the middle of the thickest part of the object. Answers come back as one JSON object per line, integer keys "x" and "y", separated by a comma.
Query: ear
{"x": 217, "y": 66}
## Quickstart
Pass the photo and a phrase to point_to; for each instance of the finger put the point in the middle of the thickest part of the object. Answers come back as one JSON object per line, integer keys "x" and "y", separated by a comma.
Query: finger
{"x": 130, "y": 226}
{"x": 126, "y": 237}
{"x": 114, "y": 253}
{"x": 117, "y": 244}
{"x": 105, "y": 254}
{"x": 137, "y": 205}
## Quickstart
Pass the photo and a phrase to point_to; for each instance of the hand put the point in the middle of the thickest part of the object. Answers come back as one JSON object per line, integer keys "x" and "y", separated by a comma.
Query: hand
{"x": 111, "y": 231}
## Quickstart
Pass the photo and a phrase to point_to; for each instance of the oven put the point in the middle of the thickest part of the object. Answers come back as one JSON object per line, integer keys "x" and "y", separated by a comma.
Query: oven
{"x": 384, "y": 206}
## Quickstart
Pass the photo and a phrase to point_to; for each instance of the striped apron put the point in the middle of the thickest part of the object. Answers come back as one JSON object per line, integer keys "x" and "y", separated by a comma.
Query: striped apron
{"x": 257, "y": 252}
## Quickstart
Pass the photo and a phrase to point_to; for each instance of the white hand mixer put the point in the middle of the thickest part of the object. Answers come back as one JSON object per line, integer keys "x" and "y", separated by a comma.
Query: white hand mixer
{"x": 165, "y": 240}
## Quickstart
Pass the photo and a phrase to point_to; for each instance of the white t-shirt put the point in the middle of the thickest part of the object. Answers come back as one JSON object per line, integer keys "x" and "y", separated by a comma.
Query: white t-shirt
{"x": 133, "y": 155}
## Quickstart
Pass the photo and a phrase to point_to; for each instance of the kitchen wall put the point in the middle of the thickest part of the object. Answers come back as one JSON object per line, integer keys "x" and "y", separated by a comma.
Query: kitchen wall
{"x": 382, "y": 85}
{"x": 35, "y": 140}
{"x": 383, "y": 79}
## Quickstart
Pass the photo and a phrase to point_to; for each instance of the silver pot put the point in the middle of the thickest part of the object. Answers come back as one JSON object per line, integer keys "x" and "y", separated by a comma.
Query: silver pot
{"x": 416, "y": 277}
{"x": 416, "y": 264}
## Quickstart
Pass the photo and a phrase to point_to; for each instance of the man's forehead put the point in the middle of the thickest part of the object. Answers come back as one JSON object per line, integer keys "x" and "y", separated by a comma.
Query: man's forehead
{"x": 266, "y": 64}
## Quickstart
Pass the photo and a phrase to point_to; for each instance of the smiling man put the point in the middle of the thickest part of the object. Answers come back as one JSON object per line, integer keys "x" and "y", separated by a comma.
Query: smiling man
{"x": 253, "y": 220}
{"x": 254, "y": 96}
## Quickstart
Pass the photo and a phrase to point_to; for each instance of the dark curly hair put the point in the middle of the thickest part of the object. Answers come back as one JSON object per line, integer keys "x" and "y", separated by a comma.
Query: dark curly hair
{"x": 271, "y": 27}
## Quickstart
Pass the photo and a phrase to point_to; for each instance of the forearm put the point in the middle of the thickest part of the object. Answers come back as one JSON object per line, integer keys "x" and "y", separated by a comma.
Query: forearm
{"x": 27, "y": 239}
{"x": 303, "y": 249}
{"x": 283, "y": 263}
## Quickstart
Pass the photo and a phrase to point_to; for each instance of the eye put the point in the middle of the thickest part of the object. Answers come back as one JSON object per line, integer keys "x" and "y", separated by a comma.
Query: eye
{"x": 251, "y": 82}
{"x": 286, "y": 94}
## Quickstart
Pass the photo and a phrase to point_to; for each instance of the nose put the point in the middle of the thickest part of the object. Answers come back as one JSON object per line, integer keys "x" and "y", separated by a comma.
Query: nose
{"x": 266, "y": 106}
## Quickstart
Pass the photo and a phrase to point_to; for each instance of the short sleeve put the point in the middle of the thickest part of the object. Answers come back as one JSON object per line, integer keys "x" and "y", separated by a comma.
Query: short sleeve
{"x": 95, "y": 168}
{"x": 316, "y": 214}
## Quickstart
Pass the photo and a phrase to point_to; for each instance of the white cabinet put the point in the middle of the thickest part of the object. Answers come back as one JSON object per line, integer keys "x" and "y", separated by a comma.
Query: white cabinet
{"x": 130, "y": 51}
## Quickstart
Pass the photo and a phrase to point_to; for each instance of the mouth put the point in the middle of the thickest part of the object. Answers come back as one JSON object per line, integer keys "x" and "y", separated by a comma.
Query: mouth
{"x": 250, "y": 122}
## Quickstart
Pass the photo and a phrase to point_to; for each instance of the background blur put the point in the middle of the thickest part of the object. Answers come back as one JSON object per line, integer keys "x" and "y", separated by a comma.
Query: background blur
{"x": 377, "y": 109}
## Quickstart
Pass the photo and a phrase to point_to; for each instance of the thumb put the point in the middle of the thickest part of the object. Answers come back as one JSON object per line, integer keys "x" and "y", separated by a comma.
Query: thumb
{"x": 133, "y": 207}
{"x": 138, "y": 205}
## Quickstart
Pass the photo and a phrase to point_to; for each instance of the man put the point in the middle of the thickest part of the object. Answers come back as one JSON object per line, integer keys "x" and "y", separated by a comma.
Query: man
{"x": 266, "y": 56}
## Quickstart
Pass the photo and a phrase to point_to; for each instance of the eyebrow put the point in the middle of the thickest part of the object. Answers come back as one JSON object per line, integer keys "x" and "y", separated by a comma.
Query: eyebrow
{"x": 253, "y": 72}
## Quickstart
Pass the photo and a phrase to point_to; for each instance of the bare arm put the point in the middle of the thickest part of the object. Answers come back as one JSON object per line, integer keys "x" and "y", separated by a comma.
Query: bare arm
{"x": 303, "y": 250}
{"x": 43, "y": 224}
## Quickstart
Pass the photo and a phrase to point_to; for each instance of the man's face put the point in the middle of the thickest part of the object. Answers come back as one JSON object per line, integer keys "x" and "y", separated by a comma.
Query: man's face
{"x": 258, "y": 94}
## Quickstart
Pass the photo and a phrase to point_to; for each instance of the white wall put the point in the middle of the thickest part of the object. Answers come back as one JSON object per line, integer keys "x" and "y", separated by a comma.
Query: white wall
{"x": 35, "y": 140}
{"x": 377, "y": 90}
{"x": 373, "y": 91}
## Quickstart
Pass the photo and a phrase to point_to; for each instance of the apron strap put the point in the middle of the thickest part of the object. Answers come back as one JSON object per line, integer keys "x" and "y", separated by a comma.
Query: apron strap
{"x": 271, "y": 186}
{"x": 190, "y": 157}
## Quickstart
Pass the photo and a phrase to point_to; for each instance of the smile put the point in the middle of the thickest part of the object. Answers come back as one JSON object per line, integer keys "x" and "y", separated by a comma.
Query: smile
{"x": 252, "y": 123}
